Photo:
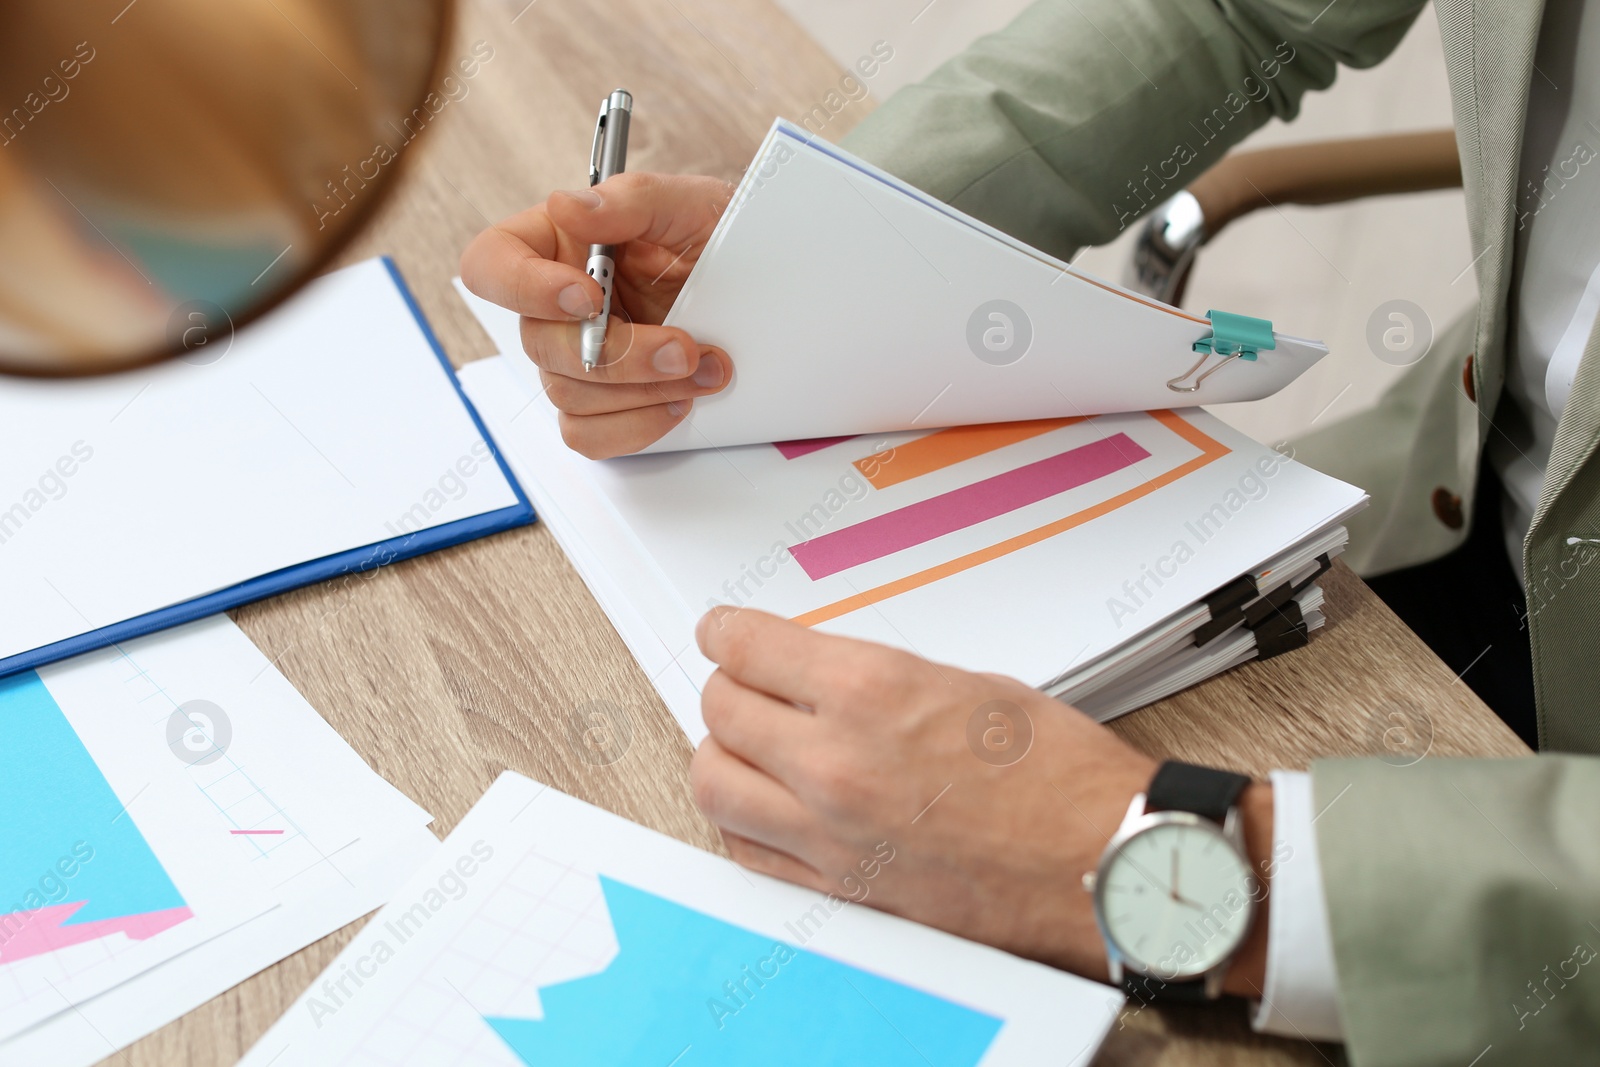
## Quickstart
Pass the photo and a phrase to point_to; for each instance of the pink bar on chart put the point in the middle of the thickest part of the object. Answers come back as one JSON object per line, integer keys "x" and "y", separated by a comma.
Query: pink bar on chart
{"x": 796, "y": 449}
{"x": 46, "y": 929}
{"x": 971, "y": 504}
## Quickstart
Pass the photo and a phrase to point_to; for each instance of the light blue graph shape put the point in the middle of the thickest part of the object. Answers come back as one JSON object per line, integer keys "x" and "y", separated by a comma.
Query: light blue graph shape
{"x": 54, "y": 799}
{"x": 693, "y": 991}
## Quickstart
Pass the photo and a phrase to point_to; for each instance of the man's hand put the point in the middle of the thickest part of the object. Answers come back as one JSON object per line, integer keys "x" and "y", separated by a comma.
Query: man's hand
{"x": 992, "y": 798}
{"x": 649, "y": 375}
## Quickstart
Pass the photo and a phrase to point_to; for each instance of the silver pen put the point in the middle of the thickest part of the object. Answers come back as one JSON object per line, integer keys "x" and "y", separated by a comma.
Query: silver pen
{"x": 608, "y": 156}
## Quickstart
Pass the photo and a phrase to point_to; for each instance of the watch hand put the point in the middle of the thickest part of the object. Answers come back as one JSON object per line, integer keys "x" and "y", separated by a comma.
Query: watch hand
{"x": 1173, "y": 892}
{"x": 1149, "y": 877}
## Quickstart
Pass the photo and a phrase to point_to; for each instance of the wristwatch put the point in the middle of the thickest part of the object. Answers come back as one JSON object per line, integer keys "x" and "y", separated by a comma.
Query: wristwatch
{"x": 1174, "y": 894}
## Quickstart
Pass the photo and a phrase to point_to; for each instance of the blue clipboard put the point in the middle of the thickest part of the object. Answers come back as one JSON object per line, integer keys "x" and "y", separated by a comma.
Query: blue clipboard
{"x": 355, "y": 560}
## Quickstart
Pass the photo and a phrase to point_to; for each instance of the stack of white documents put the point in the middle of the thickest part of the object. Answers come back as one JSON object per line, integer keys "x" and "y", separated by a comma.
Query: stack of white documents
{"x": 1053, "y": 530}
{"x": 1110, "y": 560}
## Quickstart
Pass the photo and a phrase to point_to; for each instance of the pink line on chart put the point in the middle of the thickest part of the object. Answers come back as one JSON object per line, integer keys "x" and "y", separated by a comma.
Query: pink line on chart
{"x": 958, "y": 509}
{"x": 35, "y": 933}
{"x": 255, "y": 831}
{"x": 796, "y": 449}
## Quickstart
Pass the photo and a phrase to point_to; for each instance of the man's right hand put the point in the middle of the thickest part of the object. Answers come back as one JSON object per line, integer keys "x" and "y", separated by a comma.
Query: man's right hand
{"x": 649, "y": 374}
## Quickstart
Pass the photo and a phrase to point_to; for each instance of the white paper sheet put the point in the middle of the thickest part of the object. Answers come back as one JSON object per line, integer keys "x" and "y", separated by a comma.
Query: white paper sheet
{"x": 111, "y": 860}
{"x": 481, "y": 941}
{"x": 852, "y": 303}
{"x": 316, "y": 902}
{"x": 311, "y": 835}
{"x": 329, "y": 425}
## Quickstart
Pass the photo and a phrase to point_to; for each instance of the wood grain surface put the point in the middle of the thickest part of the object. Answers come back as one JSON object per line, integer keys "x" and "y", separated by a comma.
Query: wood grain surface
{"x": 444, "y": 670}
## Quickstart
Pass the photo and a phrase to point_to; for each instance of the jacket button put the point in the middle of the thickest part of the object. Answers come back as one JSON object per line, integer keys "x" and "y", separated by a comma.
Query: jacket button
{"x": 1466, "y": 381}
{"x": 1447, "y": 507}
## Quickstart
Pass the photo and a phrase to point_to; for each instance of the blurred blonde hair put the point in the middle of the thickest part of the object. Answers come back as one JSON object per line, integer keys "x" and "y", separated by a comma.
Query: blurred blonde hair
{"x": 200, "y": 122}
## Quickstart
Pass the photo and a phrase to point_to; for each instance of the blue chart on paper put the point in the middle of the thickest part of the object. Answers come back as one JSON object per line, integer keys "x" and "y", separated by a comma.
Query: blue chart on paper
{"x": 665, "y": 998}
{"x": 73, "y": 865}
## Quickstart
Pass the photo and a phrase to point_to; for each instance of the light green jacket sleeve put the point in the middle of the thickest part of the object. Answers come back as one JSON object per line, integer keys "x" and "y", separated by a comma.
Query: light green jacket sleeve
{"x": 1464, "y": 904}
{"x": 1069, "y": 123}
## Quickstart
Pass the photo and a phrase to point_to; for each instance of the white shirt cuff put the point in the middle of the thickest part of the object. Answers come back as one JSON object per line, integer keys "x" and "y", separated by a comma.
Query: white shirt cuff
{"x": 1301, "y": 994}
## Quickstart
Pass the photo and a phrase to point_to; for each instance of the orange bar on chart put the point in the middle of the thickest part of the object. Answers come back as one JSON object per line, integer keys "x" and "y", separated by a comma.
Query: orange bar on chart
{"x": 948, "y": 447}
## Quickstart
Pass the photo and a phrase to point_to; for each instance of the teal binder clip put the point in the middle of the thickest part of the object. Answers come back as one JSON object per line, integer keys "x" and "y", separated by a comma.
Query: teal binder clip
{"x": 1232, "y": 337}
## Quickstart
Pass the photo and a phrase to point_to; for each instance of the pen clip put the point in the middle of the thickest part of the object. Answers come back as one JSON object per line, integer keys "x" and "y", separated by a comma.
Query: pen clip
{"x": 599, "y": 143}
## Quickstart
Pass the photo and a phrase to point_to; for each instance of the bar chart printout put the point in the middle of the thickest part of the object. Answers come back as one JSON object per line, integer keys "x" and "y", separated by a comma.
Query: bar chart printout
{"x": 684, "y": 980}
{"x": 549, "y": 932}
{"x": 74, "y": 866}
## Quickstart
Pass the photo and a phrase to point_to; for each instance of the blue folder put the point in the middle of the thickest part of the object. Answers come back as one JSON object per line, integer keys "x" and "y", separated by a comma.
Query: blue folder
{"x": 361, "y": 559}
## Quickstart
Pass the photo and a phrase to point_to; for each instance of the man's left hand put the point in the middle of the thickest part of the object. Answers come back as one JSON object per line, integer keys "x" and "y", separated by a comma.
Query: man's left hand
{"x": 969, "y": 802}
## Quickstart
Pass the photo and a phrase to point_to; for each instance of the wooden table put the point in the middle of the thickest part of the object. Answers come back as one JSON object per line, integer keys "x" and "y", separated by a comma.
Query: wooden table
{"x": 445, "y": 670}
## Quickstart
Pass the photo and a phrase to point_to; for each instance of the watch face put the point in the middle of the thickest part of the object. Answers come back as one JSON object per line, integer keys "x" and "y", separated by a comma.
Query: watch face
{"x": 1176, "y": 898}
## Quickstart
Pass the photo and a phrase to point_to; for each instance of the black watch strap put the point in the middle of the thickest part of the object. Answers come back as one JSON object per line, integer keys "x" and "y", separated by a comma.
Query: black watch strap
{"x": 1205, "y": 791}
{"x": 1149, "y": 989}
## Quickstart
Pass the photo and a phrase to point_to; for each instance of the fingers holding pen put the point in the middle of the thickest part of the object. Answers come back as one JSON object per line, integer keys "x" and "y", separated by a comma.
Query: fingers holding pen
{"x": 575, "y": 396}
{"x": 515, "y": 264}
{"x": 633, "y": 353}
{"x": 645, "y": 384}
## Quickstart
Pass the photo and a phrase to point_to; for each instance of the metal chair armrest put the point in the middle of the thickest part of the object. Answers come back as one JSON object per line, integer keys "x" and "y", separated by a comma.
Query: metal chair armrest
{"x": 1323, "y": 172}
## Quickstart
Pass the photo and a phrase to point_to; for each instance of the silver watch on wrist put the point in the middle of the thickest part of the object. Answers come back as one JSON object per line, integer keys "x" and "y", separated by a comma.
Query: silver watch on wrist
{"x": 1174, "y": 893}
